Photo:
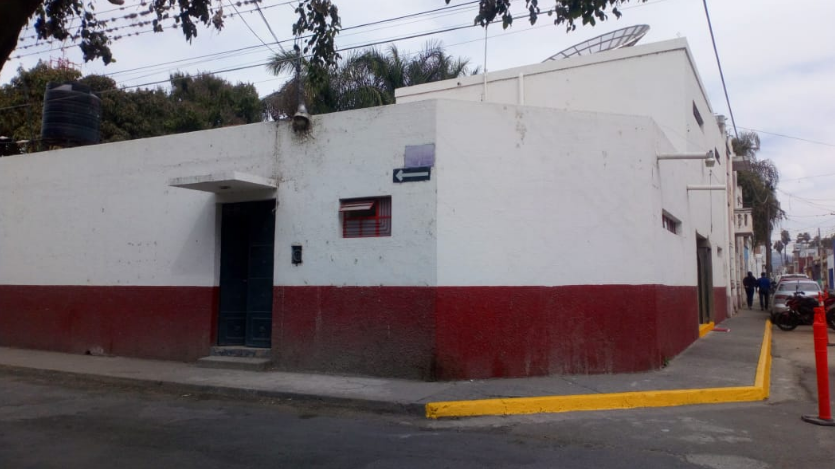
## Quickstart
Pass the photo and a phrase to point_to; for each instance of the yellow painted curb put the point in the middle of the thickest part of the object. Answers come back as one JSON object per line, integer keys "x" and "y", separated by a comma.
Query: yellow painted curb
{"x": 623, "y": 400}
{"x": 705, "y": 328}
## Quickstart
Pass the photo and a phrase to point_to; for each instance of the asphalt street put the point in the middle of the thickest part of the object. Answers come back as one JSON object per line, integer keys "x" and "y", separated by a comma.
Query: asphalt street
{"x": 50, "y": 423}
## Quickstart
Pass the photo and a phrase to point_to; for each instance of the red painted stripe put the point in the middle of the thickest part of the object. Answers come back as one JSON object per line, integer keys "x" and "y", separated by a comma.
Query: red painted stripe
{"x": 409, "y": 332}
{"x": 172, "y": 323}
{"x": 482, "y": 332}
{"x": 382, "y": 331}
{"x": 720, "y": 304}
{"x": 488, "y": 332}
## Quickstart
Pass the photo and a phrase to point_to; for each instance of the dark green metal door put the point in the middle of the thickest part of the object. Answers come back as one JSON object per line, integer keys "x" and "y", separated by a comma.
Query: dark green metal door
{"x": 246, "y": 273}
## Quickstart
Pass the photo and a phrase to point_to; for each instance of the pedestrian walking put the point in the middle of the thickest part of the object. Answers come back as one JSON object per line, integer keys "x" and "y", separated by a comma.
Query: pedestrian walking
{"x": 764, "y": 287}
{"x": 750, "y": 284}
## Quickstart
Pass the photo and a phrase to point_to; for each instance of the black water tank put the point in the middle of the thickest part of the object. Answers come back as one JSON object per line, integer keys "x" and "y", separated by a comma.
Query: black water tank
{"x": 71, "y": 115}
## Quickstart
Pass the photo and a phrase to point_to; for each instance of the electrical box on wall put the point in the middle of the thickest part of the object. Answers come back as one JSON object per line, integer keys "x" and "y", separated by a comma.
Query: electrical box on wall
{"x": 296, "y": 254}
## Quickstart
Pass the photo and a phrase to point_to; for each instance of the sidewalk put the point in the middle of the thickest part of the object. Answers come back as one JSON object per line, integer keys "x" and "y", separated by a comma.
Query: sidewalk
{"x": 727, "y": 361}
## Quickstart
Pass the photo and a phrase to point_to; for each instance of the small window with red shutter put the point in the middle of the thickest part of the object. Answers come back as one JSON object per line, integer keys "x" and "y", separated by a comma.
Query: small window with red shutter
{"x": 365, "y": 218}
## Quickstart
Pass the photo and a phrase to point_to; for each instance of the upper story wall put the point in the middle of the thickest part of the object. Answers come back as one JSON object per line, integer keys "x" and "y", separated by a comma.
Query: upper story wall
{"x": 534, "y": 196}
{"x": 699, "y": 213}
{"x": 105, "y": 215}
{"x": 656, "y": 80}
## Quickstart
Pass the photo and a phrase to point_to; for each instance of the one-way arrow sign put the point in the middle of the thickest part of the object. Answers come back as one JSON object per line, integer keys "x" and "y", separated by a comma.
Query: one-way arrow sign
{"x": 421, "y": 173}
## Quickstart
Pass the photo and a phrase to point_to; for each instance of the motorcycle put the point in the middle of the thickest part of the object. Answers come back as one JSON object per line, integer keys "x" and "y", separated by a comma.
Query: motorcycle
{"x": 829, "y": 306}
{"x": 800, "y": 311}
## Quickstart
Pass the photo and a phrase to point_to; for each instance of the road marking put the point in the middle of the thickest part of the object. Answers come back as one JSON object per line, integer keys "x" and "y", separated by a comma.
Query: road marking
{"x": 623, "y": 400}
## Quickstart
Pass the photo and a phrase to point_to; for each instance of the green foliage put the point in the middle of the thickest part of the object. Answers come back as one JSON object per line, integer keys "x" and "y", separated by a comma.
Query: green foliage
{"x": 759, "y": 183}
{"x": 76, "y": 20}
{"x": 785, "y": 237}
{"x": 193, "y": 103}
{"x": 758, "y": 194}
{"x": 363, "y": 79}
{"x": 206, "y": 101}
{"x": 22, "y": 101}
{"x": 564, "y": 11}
{"x": 318, "y": 20}
{"x": 316, "y": 26}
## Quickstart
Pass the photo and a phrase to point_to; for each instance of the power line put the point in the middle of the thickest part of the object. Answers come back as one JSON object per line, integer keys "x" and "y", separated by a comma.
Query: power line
{"x": 130, "y": 16}
{"x": 791, "y": 137}
{"x": 447, "y": 10}
{"x": 250, "y": 28}
{"x": 719, "y": 63}
{"x": 344, "y": 49}
{"x": 809, "y": 177}
{"x": 270, "y": 29}
{"x": 261, "y": 64}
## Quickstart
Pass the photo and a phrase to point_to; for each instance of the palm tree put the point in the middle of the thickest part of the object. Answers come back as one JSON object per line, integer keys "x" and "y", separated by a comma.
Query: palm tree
{"x": 392, "y": 71}
{"x": 759, "y": 182}
{"x": 363, "y": 79}
{"x": 778, "y": 246}
{"x": 786, "y": 238}
{"x": 747, "y": 144}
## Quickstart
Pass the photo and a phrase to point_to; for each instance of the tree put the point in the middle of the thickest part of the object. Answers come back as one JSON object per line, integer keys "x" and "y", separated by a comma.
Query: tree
{"x": 317, "y": 24}
{"x": 778, "y": 246}
{"x": 206, "y": 101}
{"x": 759, "y": 183}
{"x": 193, "y": 103}
{"x": 804, "y": 237}
{"x": 364, "y": 79}
{"x": 786, "y": 238}
{"x": 22, "y": 102}
{"x": 54, "y": 19}
{"x": 320, "y": 19}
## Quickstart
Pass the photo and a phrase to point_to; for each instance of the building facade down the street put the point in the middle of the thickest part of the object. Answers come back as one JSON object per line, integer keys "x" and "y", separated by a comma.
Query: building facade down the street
{"x": 580, "y": 230}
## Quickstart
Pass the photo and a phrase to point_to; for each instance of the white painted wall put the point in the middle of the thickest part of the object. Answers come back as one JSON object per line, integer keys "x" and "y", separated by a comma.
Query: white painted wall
{"x": 104, "y": 214}
{"x": 656, "y": 80}
{"x": 567, "y": 199}
{"x": 519, "y": 196}
{"x": 347, "y": 155}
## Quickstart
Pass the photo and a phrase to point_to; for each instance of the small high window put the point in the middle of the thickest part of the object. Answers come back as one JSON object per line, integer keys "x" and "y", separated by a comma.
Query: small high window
{"x": 698, "y": 115}
{"x": 366, "y": 218}
{"x": 669, "y": 223}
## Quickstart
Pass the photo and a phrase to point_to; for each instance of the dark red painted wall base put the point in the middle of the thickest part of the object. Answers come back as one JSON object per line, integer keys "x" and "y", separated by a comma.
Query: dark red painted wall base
{"x": 453, "y": 333}
{"x": 426, "y": 333}
{"x": 720, "y": 305}
{"x": 171, "y": 323}
{"x": 382, "y": 331}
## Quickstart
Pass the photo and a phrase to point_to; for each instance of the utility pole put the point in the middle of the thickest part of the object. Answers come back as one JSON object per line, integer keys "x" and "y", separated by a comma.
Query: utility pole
{"x": 820, "y": 260}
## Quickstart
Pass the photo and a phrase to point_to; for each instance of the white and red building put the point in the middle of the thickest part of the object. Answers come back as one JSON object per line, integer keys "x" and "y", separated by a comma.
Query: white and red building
{"x": 534, "y": 232}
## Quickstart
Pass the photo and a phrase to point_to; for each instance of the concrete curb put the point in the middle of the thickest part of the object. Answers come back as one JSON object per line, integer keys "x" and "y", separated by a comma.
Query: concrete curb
{"x": 612, "y": 401}
{"x": 705, "y": 328}
{"x": 208, "y": 390}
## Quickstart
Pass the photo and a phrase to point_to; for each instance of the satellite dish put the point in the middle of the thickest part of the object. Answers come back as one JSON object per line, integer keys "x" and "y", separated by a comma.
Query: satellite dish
{"x": 625, "y": 37}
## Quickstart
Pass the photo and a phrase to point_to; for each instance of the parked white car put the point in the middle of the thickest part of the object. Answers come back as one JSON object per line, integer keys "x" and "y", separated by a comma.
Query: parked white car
{"x": 786, "y": 289}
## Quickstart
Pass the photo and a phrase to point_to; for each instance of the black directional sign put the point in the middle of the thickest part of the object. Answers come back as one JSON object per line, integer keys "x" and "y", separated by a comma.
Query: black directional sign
{"x": 421, "y": 173}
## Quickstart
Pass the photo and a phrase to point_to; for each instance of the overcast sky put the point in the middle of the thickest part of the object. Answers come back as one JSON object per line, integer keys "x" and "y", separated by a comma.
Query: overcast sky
{"x": 778, "y": 58}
